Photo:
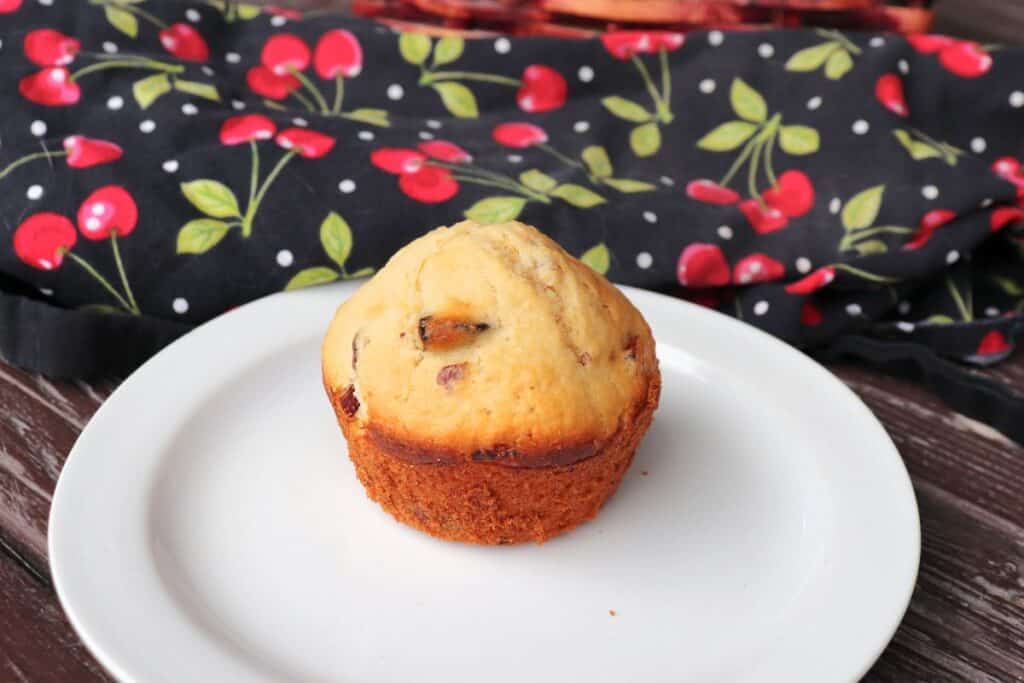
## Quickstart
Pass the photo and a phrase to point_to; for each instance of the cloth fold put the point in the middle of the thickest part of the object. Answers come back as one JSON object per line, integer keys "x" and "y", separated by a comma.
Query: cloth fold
{"x": 164, "y": 162}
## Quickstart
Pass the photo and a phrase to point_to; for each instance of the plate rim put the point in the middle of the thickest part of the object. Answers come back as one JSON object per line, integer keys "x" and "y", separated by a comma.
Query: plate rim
{"x": 338, "y": 292}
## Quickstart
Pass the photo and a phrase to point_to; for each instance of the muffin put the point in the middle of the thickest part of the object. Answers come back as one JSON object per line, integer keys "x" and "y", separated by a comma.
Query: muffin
{"x": 492, "y": 388}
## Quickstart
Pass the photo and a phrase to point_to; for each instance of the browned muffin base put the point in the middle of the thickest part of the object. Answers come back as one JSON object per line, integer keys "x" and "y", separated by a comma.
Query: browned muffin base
{"x": 490, "y": 503}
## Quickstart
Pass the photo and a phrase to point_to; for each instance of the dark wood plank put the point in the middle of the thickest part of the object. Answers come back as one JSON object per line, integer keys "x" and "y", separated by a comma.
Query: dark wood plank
{"x": 39, "y": 421}
{"x": 37, "y": 644}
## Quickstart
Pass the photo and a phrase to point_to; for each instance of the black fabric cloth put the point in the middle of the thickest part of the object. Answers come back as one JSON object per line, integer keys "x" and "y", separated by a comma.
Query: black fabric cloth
{"x": 164, "y": 162}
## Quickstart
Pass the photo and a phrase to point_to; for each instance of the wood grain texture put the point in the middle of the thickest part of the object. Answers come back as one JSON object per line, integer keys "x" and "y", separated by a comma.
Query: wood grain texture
{"x": 37, "y": 644}
{"x": 965, "y": 622}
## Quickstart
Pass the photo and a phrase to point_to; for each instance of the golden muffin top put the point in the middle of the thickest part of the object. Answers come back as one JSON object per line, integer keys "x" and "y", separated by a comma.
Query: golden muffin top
{"x": 489, "y": 339}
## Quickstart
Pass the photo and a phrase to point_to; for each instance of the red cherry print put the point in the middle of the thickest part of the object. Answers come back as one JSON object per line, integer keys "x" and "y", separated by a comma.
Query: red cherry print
{"x": 338, "y": 53}
{"x": 710, "y": 192}
{"x": 966, "y": 59}
{"x": 445, "y": 151}
{"x": 397, "y": 160}
{"x": 889, "y": 91}
{"x": 813, "y": 282}
{"x": 239, "y": 129}
{"x": 1009, "y": 168}
{"x": 286, "y": 12}
{"x": 993, "y": 342}
{"x": 757, "y": 268}
{"x": 519, "y": 135}
{"x": 307, "y": 143}
{"x": 702, "y": 265}
{"x": 107, "y": 210}
{"x": 47, "y": 47}
{"x": 625, "y": 44}
{"x": 52, "y": 87}
{"x": 793, "y": 195}
{"x": 810, "y": 315}
{"x": 285, "y": 52}
{"x": 184, "y": 42}
{"x": 543, "y": 89}
{"x": 929, "y": 43}
{"x": 1005, "y": 215}
{"x": 930, "y": 222}
{"x": 8, "y": 6}
{"x": 84, "y": 152}
{"x": 763, "y": 219}
{"x": 265, "y": 82}
{"x": 430, "y": 185}
{"x": 42, "y": 239}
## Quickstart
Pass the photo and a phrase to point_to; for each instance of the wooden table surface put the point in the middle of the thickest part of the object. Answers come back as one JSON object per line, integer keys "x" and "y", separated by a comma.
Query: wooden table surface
{"x": 965, "y": 622}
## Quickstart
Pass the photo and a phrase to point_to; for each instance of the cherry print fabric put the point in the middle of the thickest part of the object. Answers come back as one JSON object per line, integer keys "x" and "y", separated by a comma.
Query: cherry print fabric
{"x": 162, "y": 163}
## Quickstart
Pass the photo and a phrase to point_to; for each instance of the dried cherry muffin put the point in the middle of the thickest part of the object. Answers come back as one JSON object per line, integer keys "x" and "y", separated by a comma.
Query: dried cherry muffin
{"x": 491, "y": 387}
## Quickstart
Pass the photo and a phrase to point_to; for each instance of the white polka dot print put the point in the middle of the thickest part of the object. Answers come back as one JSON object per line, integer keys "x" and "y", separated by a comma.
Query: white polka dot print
{"x": 365, "y": 135}
{"x": 433, "y": 123}
{"x": 814, "y": 103}
{"x": 208, "y": 70}
{"x": 395, "y": 92}
{"x": 170, "y": 166}
{"x": 46, "y": 291}
{"x": 644, "y": 260}
{"x": 707, "y": 86}
{"x": 347, "y": 186}
{"x": 514, "y": 159}
{"x": 34, "y": 192}
{"x": 860, "y": 127}
{"x": 278, "y": 21}
{"x": 115, "y": 102}
{"x": 424, "y": 135}
{"x": 877, "y": 41}
{"x": 189, "y": 109}
{"x": 992, "y": 311}
{"x": 952, "y": 257}
{"x": 193, "y": 15}
{"x": 237, "y": 105}
{"x": 803, "y": 265}
{"x": 109, "y": 47}
{"x": 232, "y": 58}
{"x": 725, "y": 232}
{"x": 904, "y": 66}
{"x": 761, "y": 307}
{"x": 978, "y": 145}
{"x": 45, "y": 3}
{"x": 585, "y": 74}
{"x": 180, "y": 306}
{"x": 581, "y": 126}
{"x": 1017, "y": 99}
{"x": 285, "y": 258}
{"x": 903, "y": 307}
{"x": 502, "y": 46}
{"x": 666, "y": 181}
{"x": 854, "y": 309}
{"x": 716, "y": 38}
{"x": 835, "y": 205}
{"x": 300, "y": 122}
{"x": 38, "y": 128}
{"x": 985, "y": 203}
{"x": 650, "y": 217}
{"x": 147, "y": 126}
{"x": 929, "y": 192}
{"x": 904, "y": 326}
{"x": 766, "y": 50}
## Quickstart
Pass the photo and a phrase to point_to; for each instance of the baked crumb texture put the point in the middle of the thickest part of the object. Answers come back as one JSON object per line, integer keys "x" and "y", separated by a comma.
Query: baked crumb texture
{"x": 492, "y": 389}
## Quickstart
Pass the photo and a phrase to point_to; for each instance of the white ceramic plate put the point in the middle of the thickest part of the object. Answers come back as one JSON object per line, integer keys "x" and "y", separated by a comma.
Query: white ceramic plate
{"x": 208, "y": 526}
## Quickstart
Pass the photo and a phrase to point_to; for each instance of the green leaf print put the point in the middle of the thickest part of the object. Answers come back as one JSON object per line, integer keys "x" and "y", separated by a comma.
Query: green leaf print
{"x": 578, "y": 196}
{"x": 204, "y": 90}
{"x": 537, "y": 180}
{"x": 448, "y": 50}
{"x": 869, "y": 247}
{"x": 627, "y": 185}
{"x": 747, "y": 102}
{"x": 212, "y": 198}
{"x": 415, "y": 47}
{"x": 727, "y": 136}
{"x": 122, "y": 20}
{"x": 318, "y": 275}
{"x": 200, "y": 235}
{"x": 811, "y": 58}
{"x": 375, "y": 117}
{"x": 799, "y": 140}
{"x": 626, "y": 109}
{"x": 496, "y": 209}
{"x": 645, "y": 140}
{"x": 336, "y": 238}
{"x": 597, "y": 161}
{"x": 147, "y": 90}
{"x": 862, "y": 209}
{"x": 838, "y": 65}
{"x": 598, "y": 257}
{"x": 458, "y": 99}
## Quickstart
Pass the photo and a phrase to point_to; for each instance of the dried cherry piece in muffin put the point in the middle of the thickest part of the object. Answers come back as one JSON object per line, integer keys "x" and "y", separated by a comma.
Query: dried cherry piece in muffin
{"x": 349, "y": 402}
{"x": 439, "y": 333}
{"x": 450, "y": 374}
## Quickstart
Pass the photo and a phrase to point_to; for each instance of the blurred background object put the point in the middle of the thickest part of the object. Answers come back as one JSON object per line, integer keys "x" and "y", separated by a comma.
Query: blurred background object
{"x": 999, "y": 21}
